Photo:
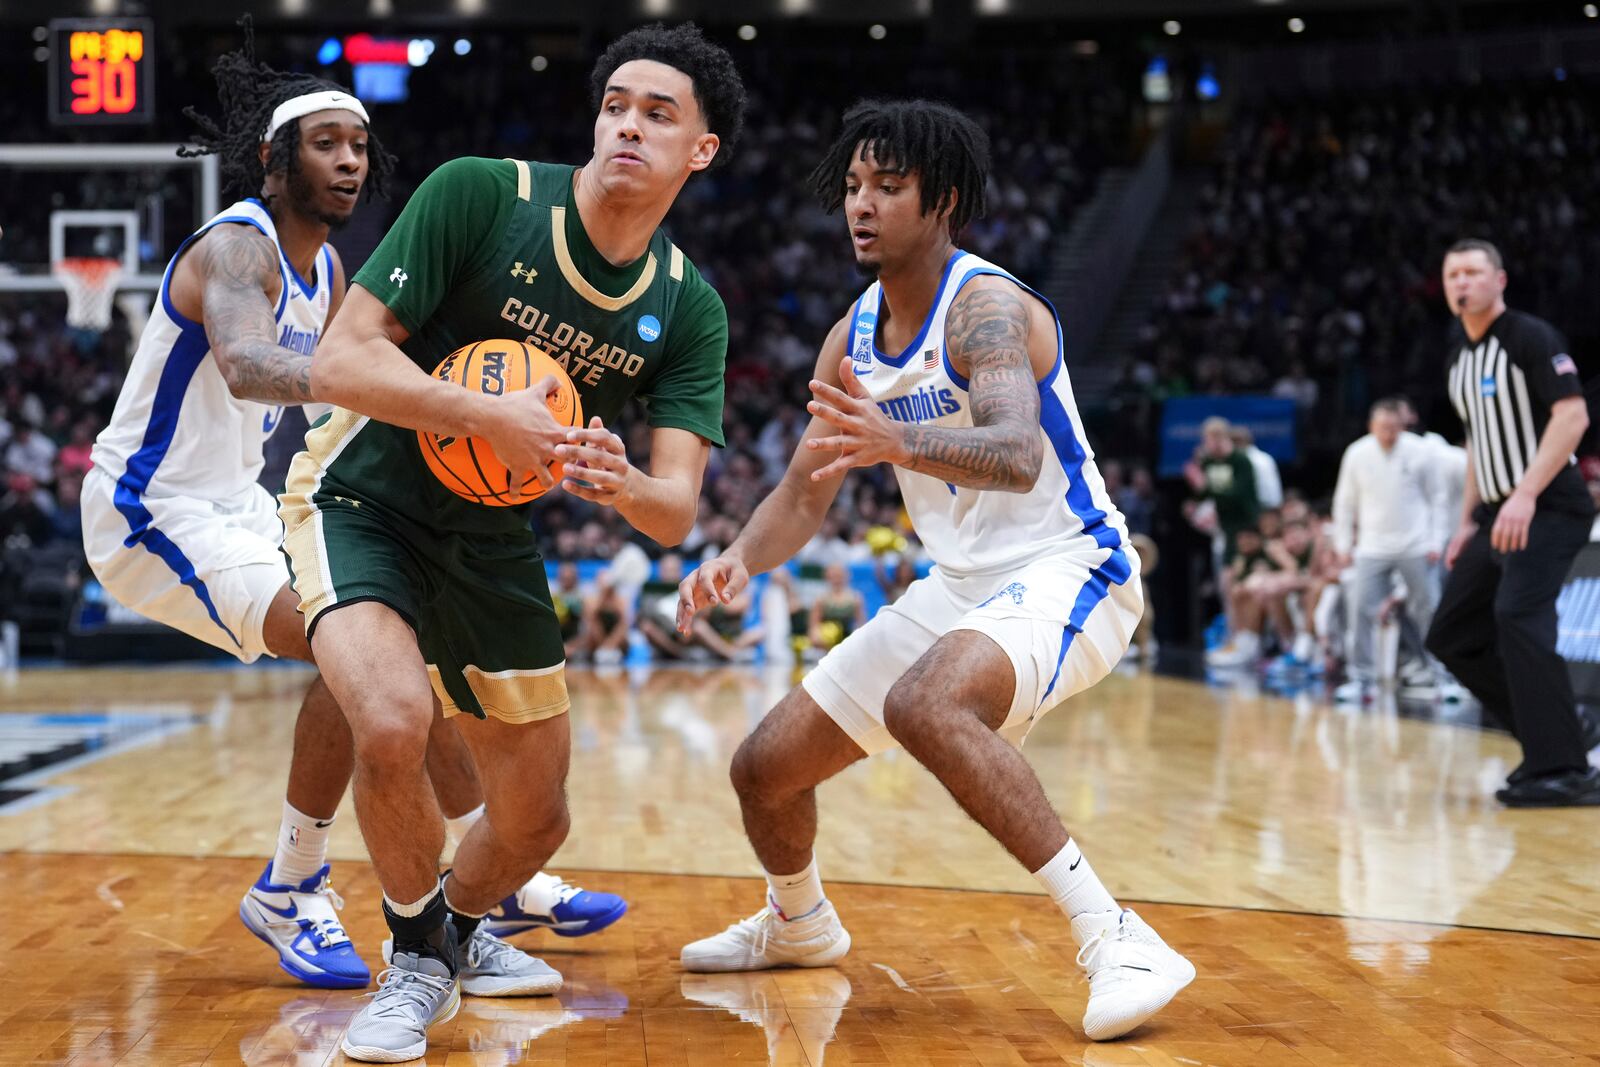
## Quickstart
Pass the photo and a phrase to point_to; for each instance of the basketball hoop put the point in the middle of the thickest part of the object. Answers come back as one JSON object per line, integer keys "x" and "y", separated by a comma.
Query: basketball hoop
{"x": 90, "y": 283}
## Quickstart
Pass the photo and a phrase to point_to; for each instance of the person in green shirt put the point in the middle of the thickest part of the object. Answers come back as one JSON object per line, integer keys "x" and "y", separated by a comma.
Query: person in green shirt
{"x": 1224, "y": 475}
{"x": 415, "y": 598}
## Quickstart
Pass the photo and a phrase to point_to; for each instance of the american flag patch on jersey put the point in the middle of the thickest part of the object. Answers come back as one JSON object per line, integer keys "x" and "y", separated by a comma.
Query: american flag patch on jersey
{"x": 1563, "y": 364}
{"x": 930, "y": 358}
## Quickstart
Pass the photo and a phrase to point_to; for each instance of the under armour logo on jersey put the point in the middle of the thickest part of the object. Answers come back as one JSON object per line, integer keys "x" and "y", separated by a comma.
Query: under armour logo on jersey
{"x": 398, "y": 277}
{"x": 527, "y": 276}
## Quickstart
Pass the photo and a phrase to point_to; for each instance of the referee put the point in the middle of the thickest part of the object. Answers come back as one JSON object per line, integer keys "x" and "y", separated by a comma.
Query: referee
{"x": 1524, "y": 516}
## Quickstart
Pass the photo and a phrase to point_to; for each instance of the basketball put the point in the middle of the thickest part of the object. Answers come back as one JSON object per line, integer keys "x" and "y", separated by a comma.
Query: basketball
{"x": 467, "y": 466}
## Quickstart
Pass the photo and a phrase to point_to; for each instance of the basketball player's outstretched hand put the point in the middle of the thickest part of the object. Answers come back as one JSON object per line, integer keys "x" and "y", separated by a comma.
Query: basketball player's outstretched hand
{"x": 526, "y": 435}
{"x": 600, "y": 461}
{"x": 866, "y": 435}
{"x": 715, "y": 582}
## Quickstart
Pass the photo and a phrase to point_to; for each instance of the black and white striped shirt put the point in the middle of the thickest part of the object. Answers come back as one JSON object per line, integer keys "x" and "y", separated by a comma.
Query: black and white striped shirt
{"x": 1503, "y": 386}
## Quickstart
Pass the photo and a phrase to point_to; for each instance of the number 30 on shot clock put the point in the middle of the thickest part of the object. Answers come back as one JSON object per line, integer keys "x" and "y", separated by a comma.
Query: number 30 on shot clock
{"x": 102, "y": 70}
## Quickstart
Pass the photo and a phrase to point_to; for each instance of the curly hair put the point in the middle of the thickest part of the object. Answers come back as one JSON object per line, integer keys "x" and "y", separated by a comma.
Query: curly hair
{"x": 946, "y": 149}
{"x": 718, "y": 89}
{"x": 249, "y": 91}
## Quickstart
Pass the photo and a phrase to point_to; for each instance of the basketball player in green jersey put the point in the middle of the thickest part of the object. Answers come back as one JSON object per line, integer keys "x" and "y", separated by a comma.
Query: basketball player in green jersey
{"x": 414, "y": 597}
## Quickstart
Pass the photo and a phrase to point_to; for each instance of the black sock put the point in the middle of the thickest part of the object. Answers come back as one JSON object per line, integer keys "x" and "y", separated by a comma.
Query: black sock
{"x": 464, "y": 924}
{"x": 425, "y": 934}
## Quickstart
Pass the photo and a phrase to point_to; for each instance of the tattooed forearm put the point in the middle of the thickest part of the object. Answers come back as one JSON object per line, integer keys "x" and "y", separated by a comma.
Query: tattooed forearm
{"x": 238, "y": 267}
{"x": 987, "y": 331}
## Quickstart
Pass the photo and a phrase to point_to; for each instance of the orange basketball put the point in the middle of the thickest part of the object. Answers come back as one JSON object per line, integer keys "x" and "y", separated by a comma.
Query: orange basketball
{"x": 467, "y": 466}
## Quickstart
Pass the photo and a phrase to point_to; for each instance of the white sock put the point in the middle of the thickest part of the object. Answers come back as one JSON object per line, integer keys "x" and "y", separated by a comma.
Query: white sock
{"x": 446, "y": 890}
{"x": 455, "y": 830}
{"x": 1071, "y": 883}
{"x": 412, "y": 910}
{"x": 796, "y": 895}
{"x": 302, "y": 846}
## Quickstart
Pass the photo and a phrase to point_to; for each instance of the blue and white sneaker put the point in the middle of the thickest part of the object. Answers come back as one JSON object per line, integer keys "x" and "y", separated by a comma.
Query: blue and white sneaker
{"x": 548, "y": 903}
{"x": 300, "y": 923}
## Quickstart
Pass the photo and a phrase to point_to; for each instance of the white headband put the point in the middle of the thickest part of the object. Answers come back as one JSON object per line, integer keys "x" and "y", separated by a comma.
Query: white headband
{"x": 300, "y": 106}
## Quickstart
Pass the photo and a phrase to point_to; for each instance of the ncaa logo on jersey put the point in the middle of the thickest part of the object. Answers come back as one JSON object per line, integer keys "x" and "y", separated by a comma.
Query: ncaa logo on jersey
{"x": 649, "y": 327}
{"x": 1487, "y": 386}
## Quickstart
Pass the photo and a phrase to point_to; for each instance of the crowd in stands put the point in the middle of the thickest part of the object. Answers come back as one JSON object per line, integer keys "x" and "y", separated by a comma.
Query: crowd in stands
{"x": 1311, "y": 269}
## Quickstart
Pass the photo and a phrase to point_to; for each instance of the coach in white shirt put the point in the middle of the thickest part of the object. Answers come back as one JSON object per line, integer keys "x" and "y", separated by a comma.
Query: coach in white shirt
{"x": 1387, "y": 513}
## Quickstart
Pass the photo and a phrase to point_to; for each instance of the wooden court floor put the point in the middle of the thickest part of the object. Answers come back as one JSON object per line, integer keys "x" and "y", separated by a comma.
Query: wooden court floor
{"x": 1344, "y": 882}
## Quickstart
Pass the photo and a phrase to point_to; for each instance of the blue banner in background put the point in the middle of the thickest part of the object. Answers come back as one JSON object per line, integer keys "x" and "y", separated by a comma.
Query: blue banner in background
{"x": 1271, "y": 419}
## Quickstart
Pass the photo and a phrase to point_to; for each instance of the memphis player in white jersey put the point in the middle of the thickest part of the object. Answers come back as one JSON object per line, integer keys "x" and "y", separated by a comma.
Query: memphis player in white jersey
{"x": 950, "y": 369}
{"x": 177, "y": 528}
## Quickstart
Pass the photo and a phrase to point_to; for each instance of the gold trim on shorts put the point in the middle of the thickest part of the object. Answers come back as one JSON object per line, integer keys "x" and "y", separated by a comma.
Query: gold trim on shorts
{"x": 512, "y": 696}
{"x": 303, "y": 541}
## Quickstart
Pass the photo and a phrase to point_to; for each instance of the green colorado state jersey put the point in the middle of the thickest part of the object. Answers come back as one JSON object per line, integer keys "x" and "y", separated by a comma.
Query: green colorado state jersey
{"x": 495, "y": 248}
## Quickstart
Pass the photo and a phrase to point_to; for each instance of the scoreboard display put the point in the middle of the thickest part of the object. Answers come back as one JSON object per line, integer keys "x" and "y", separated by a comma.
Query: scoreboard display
{"x": 102, "y": 71}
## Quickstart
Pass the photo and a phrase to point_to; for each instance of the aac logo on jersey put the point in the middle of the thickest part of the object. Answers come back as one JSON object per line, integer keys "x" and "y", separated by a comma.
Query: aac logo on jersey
{"x": 1013, "y": 592}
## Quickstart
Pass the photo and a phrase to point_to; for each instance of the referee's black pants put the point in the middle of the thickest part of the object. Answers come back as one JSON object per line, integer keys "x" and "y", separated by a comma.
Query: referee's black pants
{"x": 1495, "y": 629}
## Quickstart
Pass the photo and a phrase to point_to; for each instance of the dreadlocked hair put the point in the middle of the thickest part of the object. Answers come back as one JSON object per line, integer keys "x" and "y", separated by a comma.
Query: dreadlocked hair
{"x": 249, "y": 91}
{"x": 948, "y": 152}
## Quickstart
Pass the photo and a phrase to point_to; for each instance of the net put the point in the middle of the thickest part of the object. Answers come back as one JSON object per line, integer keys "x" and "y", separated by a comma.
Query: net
{"x": 91, "y": 284}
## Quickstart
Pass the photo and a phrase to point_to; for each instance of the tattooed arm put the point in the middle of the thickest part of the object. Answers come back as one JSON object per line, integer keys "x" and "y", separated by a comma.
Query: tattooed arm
{"x": 238, "y": 277}
{"x": 988, "y": 332}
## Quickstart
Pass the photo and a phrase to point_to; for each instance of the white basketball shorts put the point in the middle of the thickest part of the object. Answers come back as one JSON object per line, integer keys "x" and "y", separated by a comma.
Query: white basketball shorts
{"x": 208, "y": 568}
{"x": 1064, "y": 621}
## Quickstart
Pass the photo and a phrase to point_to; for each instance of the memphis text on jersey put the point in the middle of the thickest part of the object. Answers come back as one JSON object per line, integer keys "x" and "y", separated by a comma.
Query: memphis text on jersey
{"x": 569, "y": 346}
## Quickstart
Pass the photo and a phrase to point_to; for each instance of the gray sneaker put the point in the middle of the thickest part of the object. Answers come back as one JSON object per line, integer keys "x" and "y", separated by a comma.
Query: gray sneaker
{"x": 489, "y": 967}
{"x": 492, "y": 968}
{"x": 413, "y": 994}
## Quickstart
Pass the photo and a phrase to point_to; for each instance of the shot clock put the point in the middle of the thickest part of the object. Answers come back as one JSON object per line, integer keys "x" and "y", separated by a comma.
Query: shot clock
{"x": 102, "y": 70}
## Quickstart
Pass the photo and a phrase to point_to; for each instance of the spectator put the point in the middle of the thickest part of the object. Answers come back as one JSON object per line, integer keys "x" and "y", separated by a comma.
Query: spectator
{"x": 567, "y": 598}
{"x": 838, "y": 610}
{"x": 1224, "y": 476}
{"x": 1269, "y": 484}
{"x": 1137, "y": 502}
{"x": 33, "y": 454}
{"x": 24, "y": 513}
{"x": 895, "y": 580}
{"x": 607, "y": 620}
{"x": 1386, "y": 511}
{"x": 74, "y": 455}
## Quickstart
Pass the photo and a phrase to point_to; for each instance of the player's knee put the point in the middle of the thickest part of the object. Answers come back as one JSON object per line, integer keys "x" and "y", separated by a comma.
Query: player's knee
{"x": 747, "y": 772}
{"x": 537, "y": 826}
{"x": 394, "y": 741}
{"x": 907, "y": 714}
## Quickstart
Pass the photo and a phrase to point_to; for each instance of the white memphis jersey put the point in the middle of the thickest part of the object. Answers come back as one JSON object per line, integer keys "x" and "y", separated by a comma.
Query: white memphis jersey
{"x": 177, "y": 430}
{"x": 974, "y": 531}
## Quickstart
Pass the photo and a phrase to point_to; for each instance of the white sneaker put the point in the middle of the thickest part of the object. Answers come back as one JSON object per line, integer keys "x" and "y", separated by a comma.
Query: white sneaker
{"x": 1357, "y": 693}
{"x": 1452, "y": 693}
{"x": 1132, "y": 972}
{"x": 765, "y": 940}
{"x": 1305, "y": 646}
{"x": 1242, "y": 651}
